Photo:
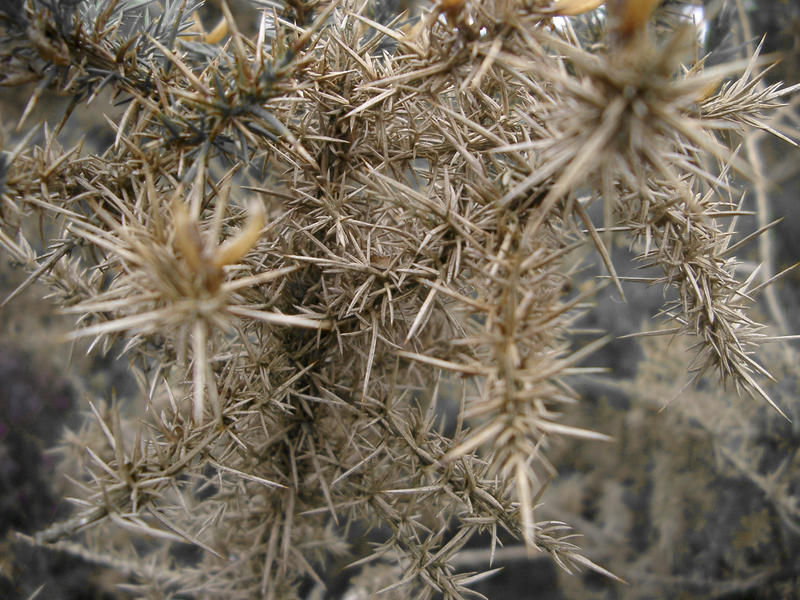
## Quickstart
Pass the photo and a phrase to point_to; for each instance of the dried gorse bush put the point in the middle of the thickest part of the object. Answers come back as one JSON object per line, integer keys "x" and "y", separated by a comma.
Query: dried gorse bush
{"x": 317, "y": 242}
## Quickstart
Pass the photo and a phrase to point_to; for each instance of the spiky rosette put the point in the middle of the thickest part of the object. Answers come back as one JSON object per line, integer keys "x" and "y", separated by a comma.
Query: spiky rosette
{"x": 643, "y": 132}
{"x": 356, "y": 242}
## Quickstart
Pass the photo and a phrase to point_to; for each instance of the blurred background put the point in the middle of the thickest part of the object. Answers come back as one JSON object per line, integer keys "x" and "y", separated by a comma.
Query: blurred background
{"x": 698, "y": 496}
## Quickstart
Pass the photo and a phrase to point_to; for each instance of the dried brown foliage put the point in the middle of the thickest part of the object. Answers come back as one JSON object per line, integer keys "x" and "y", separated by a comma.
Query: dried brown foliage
{"x": 301, "y": 239}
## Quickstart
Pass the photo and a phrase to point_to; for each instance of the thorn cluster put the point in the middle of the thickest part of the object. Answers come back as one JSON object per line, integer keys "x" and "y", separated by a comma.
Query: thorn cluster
{"x": 340, "y": 256}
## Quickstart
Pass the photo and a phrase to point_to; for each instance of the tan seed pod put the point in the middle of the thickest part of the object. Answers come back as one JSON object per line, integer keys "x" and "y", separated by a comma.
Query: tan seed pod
{"x": 232, "y": 251}
{"x": 218, "y": 33}
{"x": 451, "y": 5}
{"x": 197, "y": 31}
{"x": 631, "y": 16}
{"x": 571, "y": 8}
{"x": 187, "y": 237}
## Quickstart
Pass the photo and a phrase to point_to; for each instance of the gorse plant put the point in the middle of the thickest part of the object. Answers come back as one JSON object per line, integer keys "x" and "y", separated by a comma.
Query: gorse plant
{"x": 338, "y": 254}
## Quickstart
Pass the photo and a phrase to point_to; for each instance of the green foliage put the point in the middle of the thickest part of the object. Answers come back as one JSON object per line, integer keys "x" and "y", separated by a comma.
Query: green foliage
{"x": 340, "y": 256}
